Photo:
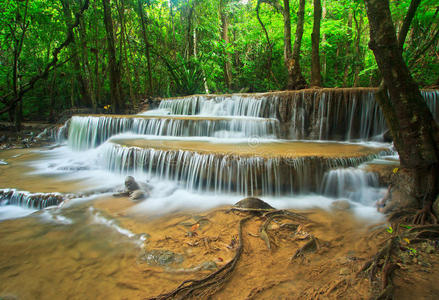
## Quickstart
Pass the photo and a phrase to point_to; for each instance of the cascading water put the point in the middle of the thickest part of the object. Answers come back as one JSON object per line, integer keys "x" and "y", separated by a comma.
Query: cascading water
{"x": 247, "y": 120}
{"x": 228, "y": 172}
{"x": 30, "y": 200}
{"x": 351, "y": 183}
{"x": 90, "y": 131}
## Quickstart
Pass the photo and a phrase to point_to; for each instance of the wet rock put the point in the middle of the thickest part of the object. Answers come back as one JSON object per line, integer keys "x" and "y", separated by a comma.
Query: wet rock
{"x": 138, "y": 195}
{"x": 162, "y": 257}
{"x": 341, "y": 205}
{"x": 253, "y": 203}
{"x": 131, "y": 184}
{"x": 2, "y": 162}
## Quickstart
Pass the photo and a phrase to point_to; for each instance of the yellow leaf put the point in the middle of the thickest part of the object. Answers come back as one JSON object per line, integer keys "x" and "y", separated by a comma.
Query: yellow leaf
{"x": 406, "y": 240}
{"x": 395, "y": 170}
{"x": 195, "y": 227}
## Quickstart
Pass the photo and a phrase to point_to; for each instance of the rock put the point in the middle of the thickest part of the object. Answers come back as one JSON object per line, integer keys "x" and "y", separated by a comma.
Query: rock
{"x": 253, "y": 203}
{"x": 2, "y": 162}
{"x": 138, "y": 195}
{"x": 341, "y": 205}
{"x": 163, "y": 257}
{"x": 131, "y": 184}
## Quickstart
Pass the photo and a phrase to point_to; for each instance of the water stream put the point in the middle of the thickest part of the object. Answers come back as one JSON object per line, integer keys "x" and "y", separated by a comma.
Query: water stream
{"x": 298, "y": 150}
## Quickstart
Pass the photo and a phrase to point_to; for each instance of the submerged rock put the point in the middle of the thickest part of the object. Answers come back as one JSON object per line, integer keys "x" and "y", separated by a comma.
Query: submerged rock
{"x": 162, "y": 257}
{"x": 341, "y": 204}
{"x": 138, "y": 195}
{"x": 253, "y": 203}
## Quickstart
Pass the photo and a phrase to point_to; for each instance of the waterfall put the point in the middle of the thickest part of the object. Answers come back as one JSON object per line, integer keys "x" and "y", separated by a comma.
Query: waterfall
{"x": 29, "y": 200}
{"x": 351, "y": 183}
{"x": 226, "y": 173}
{"x": 233, "y": 105}
{"x": 88, "y": 132}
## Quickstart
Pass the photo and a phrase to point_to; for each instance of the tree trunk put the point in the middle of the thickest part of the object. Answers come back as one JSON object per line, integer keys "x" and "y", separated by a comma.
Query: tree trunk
{"x": 83, "y": 84}
{"x": 316, "y": 76}
{"x": 147, "y": 44}
{"x": 324, "y": 41}
{"x": 415, "y": 133}
{"x": 348, "y": 60}
{"x": 114, "y": 68}
{"x": 358, "y": 53}
{"x": 127, "y": 73}
{"x": 225, "y": 38}
{"x": 296, "y": 80}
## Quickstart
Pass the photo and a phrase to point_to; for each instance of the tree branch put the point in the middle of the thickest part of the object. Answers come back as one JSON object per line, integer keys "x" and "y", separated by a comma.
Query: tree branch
{"x": 50, "y": 66}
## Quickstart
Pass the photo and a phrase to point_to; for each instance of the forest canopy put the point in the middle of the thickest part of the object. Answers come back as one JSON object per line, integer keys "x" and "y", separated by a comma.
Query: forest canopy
{"x": 133, "y": 49}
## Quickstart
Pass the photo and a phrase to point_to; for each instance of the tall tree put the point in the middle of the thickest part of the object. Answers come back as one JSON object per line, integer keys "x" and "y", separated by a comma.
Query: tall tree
{"x": 114, "y": 67}
{"x": 144, "y": 30}
{"x": 225, "y": 37}
{"x": 84, "y": 92}
{"x": 296, "y": 80}
{"x": 316, "y": 76}
{"x": 415, "y": 133}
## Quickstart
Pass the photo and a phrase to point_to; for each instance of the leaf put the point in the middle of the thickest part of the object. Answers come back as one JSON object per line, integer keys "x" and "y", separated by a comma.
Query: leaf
{"x": 195, "y": 227}
{"x": 390, "y": 229}
{"x": 406, "y": 226}
{"x": 406, "y": 240}
{"x": 395, "y": 170}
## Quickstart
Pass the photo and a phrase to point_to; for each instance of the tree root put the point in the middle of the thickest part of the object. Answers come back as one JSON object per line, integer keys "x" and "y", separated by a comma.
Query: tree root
{"x": 371, "y": 267}
{"x": 285, "y": 214}
{"x": 311, "y": 246}
{"x": 209, "y": 285}
{"x": 402, "y": 216}
{"x": 336, "y": 286}
{"x": 424, "y": 216}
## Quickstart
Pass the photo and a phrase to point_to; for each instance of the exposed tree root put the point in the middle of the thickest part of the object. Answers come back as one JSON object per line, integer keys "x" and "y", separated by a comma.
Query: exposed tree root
{"x": 424, "y": 216}
{"x": 336, "y": 286}
{"x": 209, "y": 285}
{"x": 311, "y": 246}
{"x": 258, "y": 290}
{"x": 402, "y": 216}
{"x": 284, "y": 214}
{"x": 371, "y": 267}
{"x": 382, "y": 261}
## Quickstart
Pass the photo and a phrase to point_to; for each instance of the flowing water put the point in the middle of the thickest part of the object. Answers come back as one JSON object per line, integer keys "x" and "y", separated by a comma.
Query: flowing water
{"x": 59, "y": 220}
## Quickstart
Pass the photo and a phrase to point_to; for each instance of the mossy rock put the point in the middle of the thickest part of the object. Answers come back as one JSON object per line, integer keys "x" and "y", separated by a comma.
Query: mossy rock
{"x": 253, "y": 203}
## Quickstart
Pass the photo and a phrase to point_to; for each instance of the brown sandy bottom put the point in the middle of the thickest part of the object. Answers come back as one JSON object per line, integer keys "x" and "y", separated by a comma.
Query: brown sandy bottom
{"x": 85, "y": 261}
{"x": 17, "y": 174}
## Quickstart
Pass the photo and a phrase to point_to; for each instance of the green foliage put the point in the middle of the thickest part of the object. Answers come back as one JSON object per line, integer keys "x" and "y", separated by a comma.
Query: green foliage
{"x": 187, "y": 50}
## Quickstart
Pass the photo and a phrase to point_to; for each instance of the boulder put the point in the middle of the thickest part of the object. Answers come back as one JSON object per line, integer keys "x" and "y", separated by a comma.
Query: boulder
{"x": 138, "y": 195}
{"x": 131, "y": 184}
{"x": 253, "y": 203}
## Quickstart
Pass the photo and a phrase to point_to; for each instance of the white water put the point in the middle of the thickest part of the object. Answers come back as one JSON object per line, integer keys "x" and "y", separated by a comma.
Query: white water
{"x": 185, "y": 179}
